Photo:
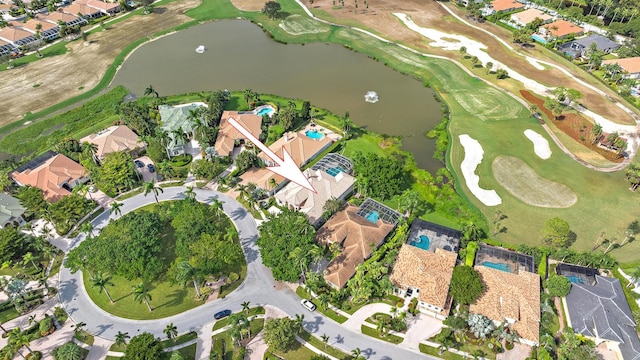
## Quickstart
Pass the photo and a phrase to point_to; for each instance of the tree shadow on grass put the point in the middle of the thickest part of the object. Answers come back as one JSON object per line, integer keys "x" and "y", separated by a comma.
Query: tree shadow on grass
{"x": 123, "y": 297}
{"x": 174, "y": 299}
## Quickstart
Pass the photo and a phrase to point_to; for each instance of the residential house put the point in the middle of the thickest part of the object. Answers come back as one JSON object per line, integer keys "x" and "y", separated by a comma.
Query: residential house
{"x": 263, "y": 178}
{"x": 178, "y": 119}
{"x": 6, "y": 8}
{"x": 512, "y": 291}
{"x": 82, "y": 10}
{"x": 523, "y": 18}
{"x": 106, "y": 8}
{"x": 301, "y": 148}
{"x": 17, "y": 36}
{"x": 331, "y": 177}
{"x": 601, "y": 312}
{"x": 580, "y": 47}
{"x": 228, "y": 136}
{"x": 57, "y": 17}
{"x": 6, "y": 48}
{"x": 561, "y": 29}
{"x": 631, "y": 66}
{"x": 55, "y": 174}
{"x": 11, "y": 211}
{"x": 114, "y": 139}
{"x": 48, "y": 30}
{"x": 359, "y": 231}
{"x": 498, "y": 6}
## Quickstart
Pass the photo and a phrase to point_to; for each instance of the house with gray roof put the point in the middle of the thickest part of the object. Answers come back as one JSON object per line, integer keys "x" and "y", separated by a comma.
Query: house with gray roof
{"x": 601, "y": 312}
{"x": 11, "y": 211}
{"x": 177, "y": 119}
{"x": 580, "y": 48}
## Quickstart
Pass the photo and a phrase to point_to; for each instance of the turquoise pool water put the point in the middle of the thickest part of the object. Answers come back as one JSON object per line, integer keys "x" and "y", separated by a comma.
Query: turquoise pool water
{"x": 373, "y": 216}
{"x": 266, "y": 111}
{"x": 421, "y": 242}
{"x": 539, "y": 39}
{"x": 499, "y": 266}
{"x": 575, "y": 279}
{"x": 313, "y": 134}
{"x": 334, "y": 171}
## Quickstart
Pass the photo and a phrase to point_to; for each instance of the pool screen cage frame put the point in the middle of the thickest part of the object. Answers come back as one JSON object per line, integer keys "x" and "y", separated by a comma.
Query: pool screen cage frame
{"x": 333, "y": 160}
{"x": 385, "y": 213}
{"x": 582, "y": 272}
{"x": 492, "y": 253}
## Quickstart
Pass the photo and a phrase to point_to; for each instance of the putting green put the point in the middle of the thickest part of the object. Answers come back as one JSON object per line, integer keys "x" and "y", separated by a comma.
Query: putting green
{"x": 301, "y": 25}
{"x": 523, "y": 183}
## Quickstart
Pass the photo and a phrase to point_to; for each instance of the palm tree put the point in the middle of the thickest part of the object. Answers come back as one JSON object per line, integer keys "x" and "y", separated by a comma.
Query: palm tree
{"x": 115, "y": 208}
{"x": 150, "y": 91}
{"x": 179, "y": 136}
{"x": 171, "y": 331}
{"x": 189, "y": 193}
{"x": 357, "y": 353}
{"x": 69, "y": 351}
{"x": 121, "y": 338}
{"x": 101, "y": 281}
{"x": 149, "y": 187}
{"x": 87, "y": 227}
{"x": 29, "y": 258}
{"x": 186, "y": 273}
{"x": 91, "y": 148}
{"x": 323, "y": 299}
{"x": 245, "y": 306}
{"x": 300, "y": 257}
{"x": 140, "y": 294}
{"x": 20, "y": 340}
{"x": 216, "y": 205}
{"x": 316, "y": 253}
{"x": 82, "y": 190}
{"x": 325, "y": 340}
{"x": 596, "y": 132}
{"x": 299, "y": 322}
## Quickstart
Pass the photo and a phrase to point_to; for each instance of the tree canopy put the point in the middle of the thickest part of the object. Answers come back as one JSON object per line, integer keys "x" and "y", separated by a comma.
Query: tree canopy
{"x": 558, "y": 285}
{"x": 466, "y": 285}
{"x": 379, "y": 176}
{"x": 115, "y": 174}
{"x": 279, "y": 236}
{"x": 280, "y": 333}
{"x": 557, "y": 233}
{"x": 143, "y": 347}
{"x": 271, "y": 9}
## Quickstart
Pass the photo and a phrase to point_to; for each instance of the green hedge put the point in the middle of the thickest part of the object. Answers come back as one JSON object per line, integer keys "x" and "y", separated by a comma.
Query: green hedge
{"x": 472, "y": 248}
{"x": 542, "y": 267}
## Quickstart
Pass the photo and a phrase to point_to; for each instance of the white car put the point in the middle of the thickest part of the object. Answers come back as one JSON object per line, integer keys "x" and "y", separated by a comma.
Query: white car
{"x": 308, "y": 304}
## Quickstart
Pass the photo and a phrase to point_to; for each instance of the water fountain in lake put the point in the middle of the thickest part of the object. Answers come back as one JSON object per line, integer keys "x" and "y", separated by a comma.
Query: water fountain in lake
{"x": 200, "y": 49}
{"x": 371, "y": 97}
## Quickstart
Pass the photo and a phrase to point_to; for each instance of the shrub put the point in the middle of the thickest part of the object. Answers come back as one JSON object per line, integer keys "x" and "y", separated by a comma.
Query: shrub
{"x": 472, "y": 247}
{"x": 45, "y": 326}
{"x": 542, "y": 267}
{"x": 233, "y": 277}
{"x": 558, "y": 285}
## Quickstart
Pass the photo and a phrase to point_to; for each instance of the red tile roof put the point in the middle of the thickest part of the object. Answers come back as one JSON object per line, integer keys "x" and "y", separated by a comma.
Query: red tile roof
{"x": 502, "y": 5}
{"x": 630, "y": 65}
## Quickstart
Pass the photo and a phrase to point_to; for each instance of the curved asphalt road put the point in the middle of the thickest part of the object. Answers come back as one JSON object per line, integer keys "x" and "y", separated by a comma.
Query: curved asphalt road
{"x": 258, "y": 288}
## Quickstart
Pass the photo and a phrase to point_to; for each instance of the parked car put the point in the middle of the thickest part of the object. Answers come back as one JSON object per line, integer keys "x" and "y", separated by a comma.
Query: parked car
{"x": 151, "y": 168}
{"x": 220, "y": 314}
{"x": 138, "y": 163}
{"x": 308, "y": 304}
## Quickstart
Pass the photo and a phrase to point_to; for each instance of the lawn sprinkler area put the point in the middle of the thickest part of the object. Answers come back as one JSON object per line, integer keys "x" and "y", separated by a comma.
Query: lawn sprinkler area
{"x": 473, "y": 154}
{"x": 540, "y": 144}
{"x": 523, "y": 183}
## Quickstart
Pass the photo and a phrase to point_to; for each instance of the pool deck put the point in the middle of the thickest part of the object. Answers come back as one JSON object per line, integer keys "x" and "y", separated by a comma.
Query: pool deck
{"x": 328, "y": 133}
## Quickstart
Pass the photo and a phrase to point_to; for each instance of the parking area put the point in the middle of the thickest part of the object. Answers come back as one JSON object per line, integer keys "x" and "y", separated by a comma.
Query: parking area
{"x": 146, "y": 167}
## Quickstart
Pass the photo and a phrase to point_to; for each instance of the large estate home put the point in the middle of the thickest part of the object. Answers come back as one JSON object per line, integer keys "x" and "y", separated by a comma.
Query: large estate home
{"x": 498, "y": 6}
{"x": 580, "y": 47}
{"x": 17, "y": 36}
{"x": 55, "y": 174}
{"x": 523, "y": 18}
{"x": 561, "y": 29}
{"x": 424, "y": 267}
{"x": 176, "y": 121}
{"x": 630, "y": 66}
{"x": 11, "y": 211}
{"x": 60, "y": 16}
{"x": 301, "y": 147}
{"x": 92, "y": 8}
{"x": 596, "y": 308}
{"x": 115, "y": 138}
{"x": 229, "y": 137}
{"x": 358, "y": 231}
{"x": 512, "y": 291}
{"x": 331, "y": 177}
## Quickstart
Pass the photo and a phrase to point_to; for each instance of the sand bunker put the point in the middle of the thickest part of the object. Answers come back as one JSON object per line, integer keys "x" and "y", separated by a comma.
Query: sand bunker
{"x": 472, "y": 158}
{"x": 522, "y": 182}
{"x": 540, "y": 144}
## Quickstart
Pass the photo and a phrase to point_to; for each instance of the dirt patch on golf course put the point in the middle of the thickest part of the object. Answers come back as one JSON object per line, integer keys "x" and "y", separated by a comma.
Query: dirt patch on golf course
{"x": 62, "y": 77}
{"x": 249, "y": 5}
{"x": 522, "y": 182}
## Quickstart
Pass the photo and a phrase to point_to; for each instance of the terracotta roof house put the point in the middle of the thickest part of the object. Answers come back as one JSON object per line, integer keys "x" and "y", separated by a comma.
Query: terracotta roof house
{"x": 428, "y": 274}
{"x": 106, "y": 8}
{"x": 580, "y": 47}
{"x": 82, "y": 9}
{"x": 301, "y": 147}
{"x": 114, "y": 139}
{"x": 523, "y": 18}
{"x": 6, "y": 8}
{"x": 11, "y": 211}
{"x": 261, "y": 177}
{"x": 358, "y": 234}
{"x": 513, "y": 297}
{"x": 48, "y": 30}
{"x": 561, "y": 29}
{"x": 177, "y": 118}
{"x": 228, "y": 135}
{"x": 55, "y": 174}
{"x": 601, "y": 312}
{"x": 69, "y": 19}
{"x": 505, "y": 5}
{"x": 630, "y": 65}
{"x": 329, "y": 180}
{"x": 16, "y": 36}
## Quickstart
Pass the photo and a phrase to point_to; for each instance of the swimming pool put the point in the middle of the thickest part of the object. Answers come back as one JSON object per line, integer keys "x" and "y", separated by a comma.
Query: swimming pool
{"x": 499, "y": 266}
{"x": 421, "y": 242}
{"x": 576, "y": 279}
{"x": 539, "y": 39}
{"x": 267, "y": 110}
{"x": 334, "y": 171}
{"x": 373, "y": 216}
{"x": 314, "y": 134}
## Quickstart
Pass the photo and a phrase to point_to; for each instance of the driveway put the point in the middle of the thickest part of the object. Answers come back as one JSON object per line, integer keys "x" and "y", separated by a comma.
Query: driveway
{"x": 258, "y": 288}
{"x": 144, "y": 171}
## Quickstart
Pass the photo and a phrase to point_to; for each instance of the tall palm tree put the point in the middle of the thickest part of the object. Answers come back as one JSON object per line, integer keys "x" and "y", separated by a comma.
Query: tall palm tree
{"x": 79, "y": 328}
{"x": 299, "y": 322}
{"x": 216, "y": 205}
{"x": 91, "y": 148}
{"x": 245, "y": 306}
{"x": 150, "y": 187}
{"x": 82, "y": 190}
{"x": 115, "y": 208}
{"x": 87, "y": 227}
{"x": 141, "y": 293}
{"x": 171, "y": 331}
{"x": 29, "y": 258}
{"x": 150, "y": 91}
{"x": 101, "y": 281}
{"x": 301, "y": 258}
{"x": 189, "y": 193}
{"x": 596, "y": 132}
{"x": 179, "y": 136}
{"x": 357, "y": 353}
{"x": 21, "y": 340}
{"x": 187, "y": 273}
{"x": 121, "y": 338}
{"x": 325, "y": 340}
{"x": 316, "y": 253}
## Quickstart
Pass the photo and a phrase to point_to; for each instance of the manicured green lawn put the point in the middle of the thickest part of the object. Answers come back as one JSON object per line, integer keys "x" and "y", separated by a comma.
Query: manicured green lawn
{"x": 433, "y": 351}
{"x": 319, "y": 344}
{"x": 300, "y": 291}
{"x": 375, "y": 334}
{"x": 188, "y": 352}
{"x": 231, "y": 350}
{"x": 296, "y": 352}
{"x": 226, "y": 321}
